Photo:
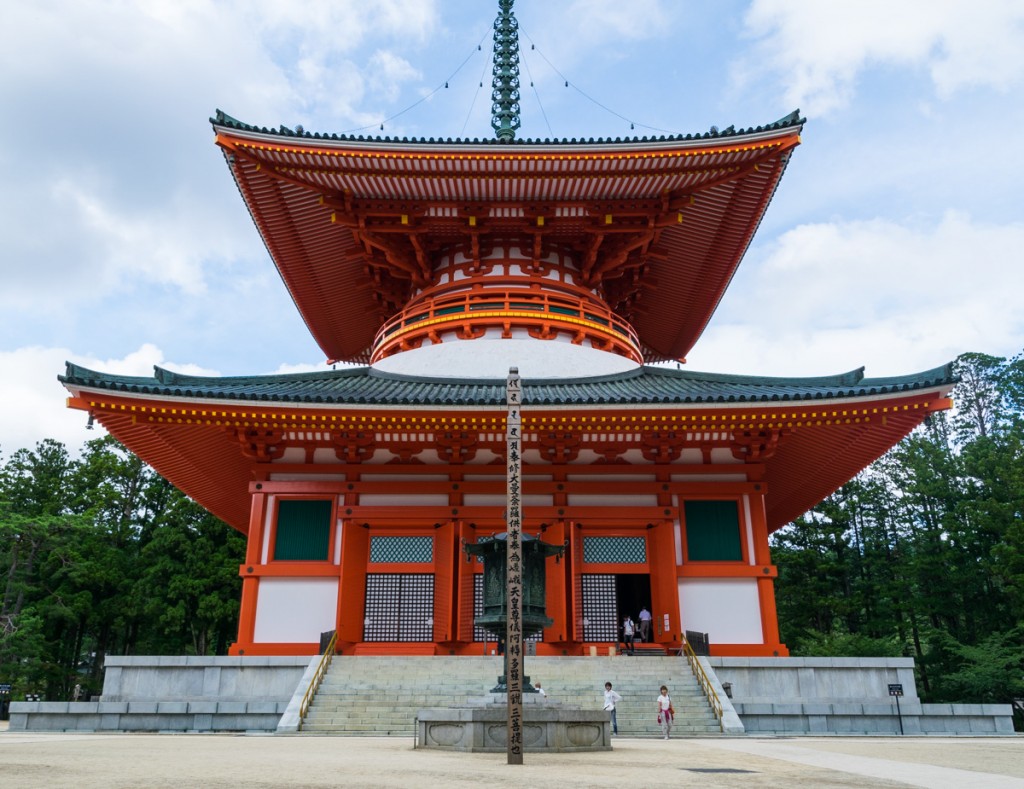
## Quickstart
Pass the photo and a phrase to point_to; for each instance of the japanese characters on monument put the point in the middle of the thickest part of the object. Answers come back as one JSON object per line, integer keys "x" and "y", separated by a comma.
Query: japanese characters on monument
{"x": 514, "y": 569}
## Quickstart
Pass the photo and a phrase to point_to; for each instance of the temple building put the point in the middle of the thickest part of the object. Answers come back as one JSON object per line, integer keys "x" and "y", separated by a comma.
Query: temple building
{"x": 430, "y": 268}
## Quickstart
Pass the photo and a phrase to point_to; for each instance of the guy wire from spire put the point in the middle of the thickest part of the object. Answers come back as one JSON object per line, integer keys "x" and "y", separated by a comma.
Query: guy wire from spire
{"x": 505, "y": 83}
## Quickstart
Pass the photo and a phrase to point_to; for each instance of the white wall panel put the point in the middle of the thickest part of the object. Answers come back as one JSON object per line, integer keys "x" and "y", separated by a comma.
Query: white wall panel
{"x": 727, "y": 609}
{"x": 295, "y": 610}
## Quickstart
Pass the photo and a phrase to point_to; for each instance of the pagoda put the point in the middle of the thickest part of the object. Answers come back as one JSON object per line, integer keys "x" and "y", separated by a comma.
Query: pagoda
{"x": 433, "y": 266}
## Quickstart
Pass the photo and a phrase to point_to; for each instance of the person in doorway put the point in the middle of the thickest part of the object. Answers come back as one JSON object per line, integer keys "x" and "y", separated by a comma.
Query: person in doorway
{"x": 645, "y": 625}
{"x": 543, "y": 693}
{"x": 628, "y": 635}
{"x": 611, "y": 698}
{"x": 666, "y": 714}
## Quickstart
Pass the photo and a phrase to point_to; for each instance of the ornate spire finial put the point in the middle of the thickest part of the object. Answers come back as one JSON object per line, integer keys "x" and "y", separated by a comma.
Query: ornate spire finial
{"x": 505, "y": 83}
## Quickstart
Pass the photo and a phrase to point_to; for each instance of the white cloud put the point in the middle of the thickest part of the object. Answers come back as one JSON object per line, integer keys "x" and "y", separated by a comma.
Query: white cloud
{"x": 289, "y": 369}
{"x": 818, "y": 50}
{"x": 602, "y": 20}
{"x": 32, "y": 400}
{"x": 387, "y": 71}
{"x": 897, "y": 298}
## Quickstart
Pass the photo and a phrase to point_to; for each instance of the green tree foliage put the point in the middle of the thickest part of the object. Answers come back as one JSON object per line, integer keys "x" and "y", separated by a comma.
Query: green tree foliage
{"x": 923, "y": 553}
{"x": 101, "y": 556}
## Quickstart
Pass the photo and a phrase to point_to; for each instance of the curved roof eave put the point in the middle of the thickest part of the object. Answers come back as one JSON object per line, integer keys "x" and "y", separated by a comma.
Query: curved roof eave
{"x": 222, "y": 122}
{"x": 646, "y": 386}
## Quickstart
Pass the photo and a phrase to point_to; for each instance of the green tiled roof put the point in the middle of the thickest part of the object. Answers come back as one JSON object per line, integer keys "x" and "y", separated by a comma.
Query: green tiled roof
{"x": 365, "y": 386}
{"x": 226, "y": 121}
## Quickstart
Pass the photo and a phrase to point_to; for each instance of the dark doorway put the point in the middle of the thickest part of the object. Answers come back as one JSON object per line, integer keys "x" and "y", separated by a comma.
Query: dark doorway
{"x": 632, "y": 592}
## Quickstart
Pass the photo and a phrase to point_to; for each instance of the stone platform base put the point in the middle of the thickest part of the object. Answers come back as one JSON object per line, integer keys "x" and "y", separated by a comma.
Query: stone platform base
{"x": 547, "y": 728}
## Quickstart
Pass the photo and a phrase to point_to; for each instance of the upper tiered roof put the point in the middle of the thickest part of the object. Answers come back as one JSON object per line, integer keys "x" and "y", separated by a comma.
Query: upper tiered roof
{"x": 658, "y": 224}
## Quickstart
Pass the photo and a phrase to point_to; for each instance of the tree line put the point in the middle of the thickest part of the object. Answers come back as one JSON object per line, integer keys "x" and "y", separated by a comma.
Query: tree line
{"x": 922, "y": 554}
{"x": 102, "y": 556}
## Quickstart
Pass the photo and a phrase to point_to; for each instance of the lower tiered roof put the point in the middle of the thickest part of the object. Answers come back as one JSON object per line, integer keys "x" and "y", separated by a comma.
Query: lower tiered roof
{"x": 810, "y": 434}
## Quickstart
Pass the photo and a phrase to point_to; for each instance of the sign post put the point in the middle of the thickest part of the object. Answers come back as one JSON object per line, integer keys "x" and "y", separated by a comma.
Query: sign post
{"x": 514, "y": 569}
{"x": 896, "y": 689}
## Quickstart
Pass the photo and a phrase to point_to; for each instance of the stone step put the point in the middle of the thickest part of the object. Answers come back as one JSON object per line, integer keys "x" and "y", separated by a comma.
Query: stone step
{"x": 364, "y": 695}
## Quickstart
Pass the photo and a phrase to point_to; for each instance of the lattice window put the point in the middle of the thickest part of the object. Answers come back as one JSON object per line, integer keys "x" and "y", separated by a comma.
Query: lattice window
{"x": 479, "y": 634}
{"x": 600, "y": 613}
{"x": 615, "y": 550}
{"x": 399, "y": 607}
{"x": 401, "y": 549}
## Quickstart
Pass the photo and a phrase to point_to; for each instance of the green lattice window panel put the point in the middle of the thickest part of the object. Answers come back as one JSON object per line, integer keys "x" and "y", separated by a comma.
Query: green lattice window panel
{"x": 713, "y": 531}
{"x": 401, "y": 549}
{"x": 303, "y": 530}
{"x": 615, "y": 550}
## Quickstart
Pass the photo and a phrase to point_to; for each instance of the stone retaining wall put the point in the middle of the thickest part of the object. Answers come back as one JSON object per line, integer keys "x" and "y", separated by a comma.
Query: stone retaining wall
{"x": 844, "y": 696}
{"x": 175, "y": 693}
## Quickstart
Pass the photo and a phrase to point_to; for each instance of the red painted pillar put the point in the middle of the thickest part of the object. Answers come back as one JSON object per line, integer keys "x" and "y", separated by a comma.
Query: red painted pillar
{"x": 766, "y": 581}
{"x": 251, "y": 582}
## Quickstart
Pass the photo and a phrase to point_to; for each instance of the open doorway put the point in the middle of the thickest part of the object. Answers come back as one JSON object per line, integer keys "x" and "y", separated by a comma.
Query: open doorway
{"x": 632, "y": 592}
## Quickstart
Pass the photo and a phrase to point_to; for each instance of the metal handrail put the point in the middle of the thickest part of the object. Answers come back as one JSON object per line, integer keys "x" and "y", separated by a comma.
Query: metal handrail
{"x": 702, "y": 677}
{"x": 318, "y": 677}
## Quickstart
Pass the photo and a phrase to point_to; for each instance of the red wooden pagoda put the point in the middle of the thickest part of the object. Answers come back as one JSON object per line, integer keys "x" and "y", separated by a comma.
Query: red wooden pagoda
{"x": 436, "y": 266}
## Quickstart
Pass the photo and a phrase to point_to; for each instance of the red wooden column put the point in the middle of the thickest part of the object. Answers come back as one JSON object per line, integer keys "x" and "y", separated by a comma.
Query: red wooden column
{"x": 445, "y": 569}
{"x": 766, "y": 580}
{"x": 664, "y": 582}
{"x": 250, "y": 582}
{"x": 556, "y": 595}
{"x": 355, "y": 553}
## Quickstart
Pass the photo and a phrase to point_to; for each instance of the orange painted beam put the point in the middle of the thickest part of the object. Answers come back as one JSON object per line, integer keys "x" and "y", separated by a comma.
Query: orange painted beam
{"x": 739, "y": 569}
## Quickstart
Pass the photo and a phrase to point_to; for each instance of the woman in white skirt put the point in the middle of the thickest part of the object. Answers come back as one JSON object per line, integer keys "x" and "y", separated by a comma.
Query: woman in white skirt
{"x": 665, "y": 712}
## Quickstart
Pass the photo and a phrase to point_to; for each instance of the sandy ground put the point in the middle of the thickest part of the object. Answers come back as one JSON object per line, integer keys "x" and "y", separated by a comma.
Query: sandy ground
{"x": 206, "y": 760}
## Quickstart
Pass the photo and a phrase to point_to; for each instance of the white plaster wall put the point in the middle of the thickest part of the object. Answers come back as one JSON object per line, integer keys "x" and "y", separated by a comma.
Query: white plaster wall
{"x": 307, "y": 477}
{"x": 403, "y": 499}
{"x": 404, "y": 478}
{"x": 611, "y": 478}
{"x": 727, "y": 609}
{"x": 293, "y": 455}
{"x": 708, "y": 477}
{"x": 486, "y": 358}
{"x": 612, "y": 500}
{"x": 500, "y": 499}
{"x": 295, "y": 610}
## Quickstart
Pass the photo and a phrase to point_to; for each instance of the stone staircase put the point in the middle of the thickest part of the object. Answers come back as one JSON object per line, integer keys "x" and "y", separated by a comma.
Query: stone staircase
{"x": 380, "y": 695}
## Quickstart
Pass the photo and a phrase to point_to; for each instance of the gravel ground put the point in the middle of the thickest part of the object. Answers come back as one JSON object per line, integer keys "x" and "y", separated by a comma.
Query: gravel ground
{"x": 206, "y": 760}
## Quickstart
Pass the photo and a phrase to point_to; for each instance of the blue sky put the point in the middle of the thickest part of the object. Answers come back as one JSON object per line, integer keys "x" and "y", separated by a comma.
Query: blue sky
{"x": 894, "y": 241}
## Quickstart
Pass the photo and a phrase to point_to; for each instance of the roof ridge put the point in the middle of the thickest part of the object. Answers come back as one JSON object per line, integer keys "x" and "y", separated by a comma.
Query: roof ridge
{"x": 646, "y": 385}
{"x": 793, "y": 119}
{"x": 850, "y": 378}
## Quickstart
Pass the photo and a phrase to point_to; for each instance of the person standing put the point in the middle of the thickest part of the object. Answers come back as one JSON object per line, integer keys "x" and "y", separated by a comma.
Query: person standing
{"x": 645, "y": 625}
{"x": 543, "y": 693}
{"x": 665, "y": 712}
{"x": 611, "y": 698}
{"x": 627, "y": 634}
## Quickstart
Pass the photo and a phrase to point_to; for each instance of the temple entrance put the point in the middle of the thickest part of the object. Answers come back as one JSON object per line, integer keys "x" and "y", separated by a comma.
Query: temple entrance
{"x": 632, "y": 592}
{"x": 608, "y": 598}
